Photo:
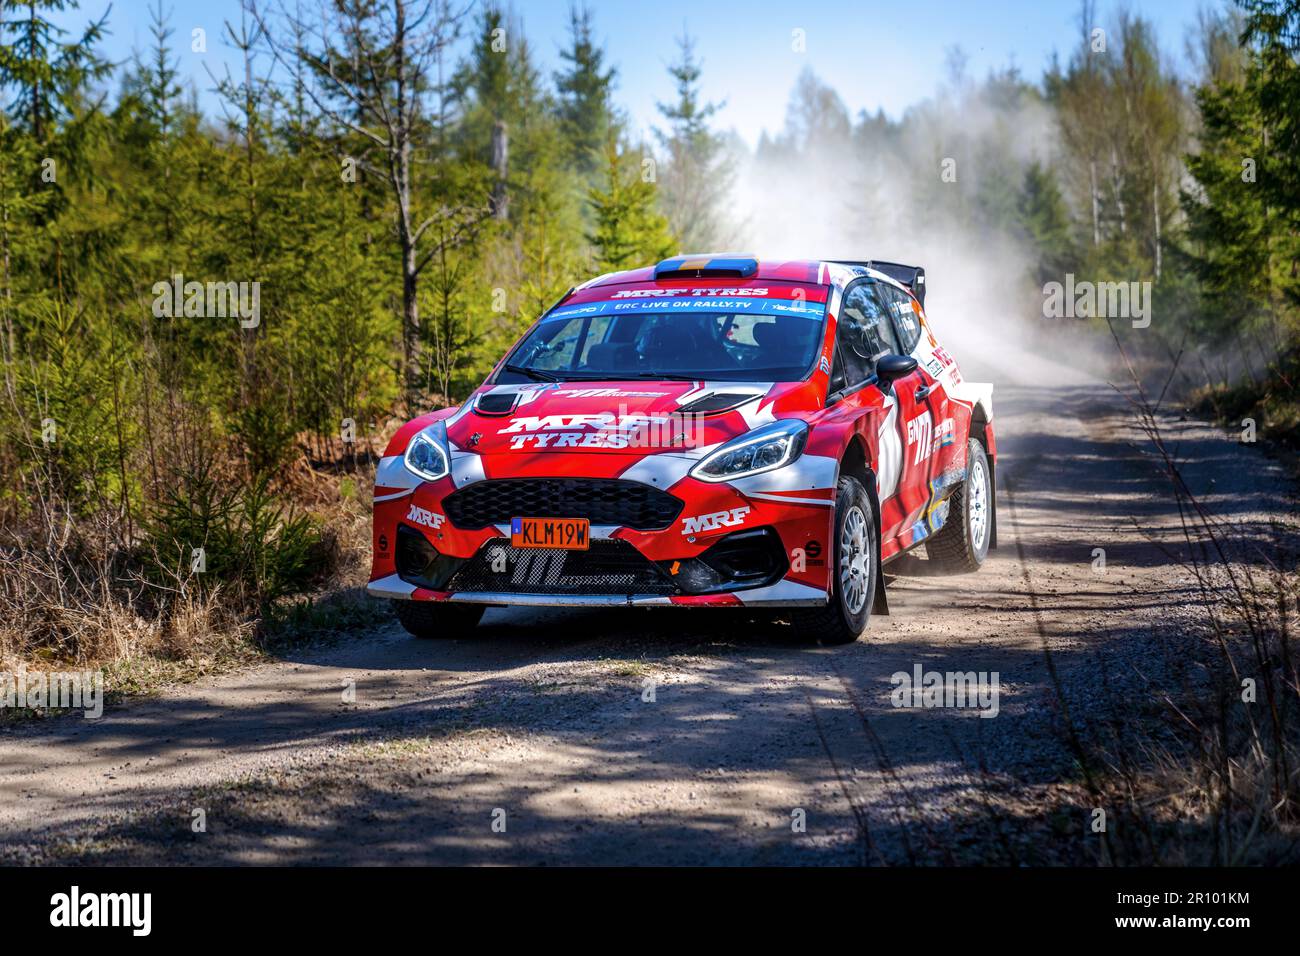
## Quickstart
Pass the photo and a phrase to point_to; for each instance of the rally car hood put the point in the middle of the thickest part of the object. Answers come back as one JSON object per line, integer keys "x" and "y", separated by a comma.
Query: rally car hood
{"x": 609, "y": 417}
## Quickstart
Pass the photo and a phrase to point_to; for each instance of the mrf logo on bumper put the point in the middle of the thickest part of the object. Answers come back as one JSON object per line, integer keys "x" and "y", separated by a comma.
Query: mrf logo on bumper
{"x": 720, "y": 519}
{"x": 418, "y": 515}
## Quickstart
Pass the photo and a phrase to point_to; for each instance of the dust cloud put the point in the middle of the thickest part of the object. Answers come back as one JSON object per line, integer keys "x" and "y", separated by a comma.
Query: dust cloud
{"x": 926, "y": 191}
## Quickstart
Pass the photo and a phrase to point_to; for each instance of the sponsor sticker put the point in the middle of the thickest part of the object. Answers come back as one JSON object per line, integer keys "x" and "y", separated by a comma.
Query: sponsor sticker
{"x": 658, "y": 293}
{"x": 920, "y": 430}
{"x": 423, "y": 516}
{"x": 734, "y": 301}
{"x": 712, "y": 522}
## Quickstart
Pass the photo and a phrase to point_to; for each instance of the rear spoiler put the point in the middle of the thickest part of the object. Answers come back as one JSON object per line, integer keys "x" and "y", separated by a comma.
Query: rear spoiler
{"x": 911, "y": 276}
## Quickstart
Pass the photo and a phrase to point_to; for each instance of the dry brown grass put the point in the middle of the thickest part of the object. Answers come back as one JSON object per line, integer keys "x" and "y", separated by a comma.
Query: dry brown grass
{"x": 1218, "y": 783}
{"x": 81, "y": 592}
{"x": 84, "y": 605}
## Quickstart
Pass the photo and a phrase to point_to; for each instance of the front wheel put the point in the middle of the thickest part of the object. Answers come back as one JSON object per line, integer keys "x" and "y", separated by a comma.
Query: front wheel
{"x": 963, "y": 543}
{"x": 438, "y": 619}
{"x": 855, "y": 565}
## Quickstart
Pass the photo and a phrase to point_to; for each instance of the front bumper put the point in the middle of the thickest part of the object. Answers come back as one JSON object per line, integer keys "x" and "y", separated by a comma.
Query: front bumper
{"x": 758, "y": 543}
{"x": 747, "y": 559}
{"x": 782, "y": 594}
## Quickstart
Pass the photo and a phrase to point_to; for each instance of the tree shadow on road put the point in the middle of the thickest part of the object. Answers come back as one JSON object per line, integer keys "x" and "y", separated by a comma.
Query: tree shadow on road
{"x": 545, "y": 715}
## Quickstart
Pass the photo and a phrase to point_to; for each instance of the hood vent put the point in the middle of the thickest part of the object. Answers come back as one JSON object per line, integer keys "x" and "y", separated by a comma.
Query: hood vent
{"x": 716, "y": 402}
{"x": 496, "y": 403}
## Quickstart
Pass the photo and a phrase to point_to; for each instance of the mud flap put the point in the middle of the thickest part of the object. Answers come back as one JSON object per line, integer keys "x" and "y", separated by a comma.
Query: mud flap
{"x": 879, "y": 603}
{"x": 993, "y": 505}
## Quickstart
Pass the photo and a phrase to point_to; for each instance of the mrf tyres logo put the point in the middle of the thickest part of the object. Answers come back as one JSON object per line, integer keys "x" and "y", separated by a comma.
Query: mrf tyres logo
{"x": 613, "y": 430}
{"x": 430, "y": 519}
{"x": 74, "y": 909}
{"x": 719, "y": 519}
{"x": 660, "y": 293}
{"x": 952, "y": 689}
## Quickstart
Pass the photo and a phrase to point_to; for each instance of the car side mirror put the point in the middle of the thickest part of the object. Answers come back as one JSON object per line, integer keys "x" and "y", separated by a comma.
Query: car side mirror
{"x": 891, "y": 368}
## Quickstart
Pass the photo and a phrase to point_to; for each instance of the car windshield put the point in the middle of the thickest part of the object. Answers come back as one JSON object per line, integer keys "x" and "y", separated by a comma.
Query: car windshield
{"x": 747, "y": 340}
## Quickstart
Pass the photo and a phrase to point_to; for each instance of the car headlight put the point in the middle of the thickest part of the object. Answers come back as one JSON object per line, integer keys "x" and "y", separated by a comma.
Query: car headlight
{"x": 764, "y": 449}
{"x": 426, "y": 453}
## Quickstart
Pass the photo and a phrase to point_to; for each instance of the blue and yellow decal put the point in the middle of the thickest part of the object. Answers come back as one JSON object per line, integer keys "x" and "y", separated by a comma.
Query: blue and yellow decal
{"x": 741, "y": 266}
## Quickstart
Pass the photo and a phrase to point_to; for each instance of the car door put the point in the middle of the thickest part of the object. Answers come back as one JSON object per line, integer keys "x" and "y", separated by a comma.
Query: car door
{"x": 930, "y": 394}
{"x": 864, "y": 333}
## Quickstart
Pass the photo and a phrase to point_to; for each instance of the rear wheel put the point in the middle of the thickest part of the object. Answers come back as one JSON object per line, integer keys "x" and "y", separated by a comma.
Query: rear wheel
{"x": 438, "y": 619}
{"x": 963, "y": 543}
{"x": 855, "y": 565}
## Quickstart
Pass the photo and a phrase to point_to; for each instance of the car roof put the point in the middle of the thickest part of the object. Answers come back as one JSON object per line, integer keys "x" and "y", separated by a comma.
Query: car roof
{"x": 820, "y": 272}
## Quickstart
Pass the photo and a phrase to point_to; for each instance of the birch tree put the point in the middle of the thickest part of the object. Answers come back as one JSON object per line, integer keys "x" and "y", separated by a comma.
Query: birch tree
{"x": 377, "y": 72}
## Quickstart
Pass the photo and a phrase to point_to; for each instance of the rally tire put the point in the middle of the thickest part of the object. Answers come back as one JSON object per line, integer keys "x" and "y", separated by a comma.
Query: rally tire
{"x": 854, "y": 568}
{"x": 438, "y": 619}
{"x": 962, "y": 544}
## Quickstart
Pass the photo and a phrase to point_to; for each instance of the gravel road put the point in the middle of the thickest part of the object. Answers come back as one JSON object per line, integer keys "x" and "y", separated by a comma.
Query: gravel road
{"x": 668, "y": 736}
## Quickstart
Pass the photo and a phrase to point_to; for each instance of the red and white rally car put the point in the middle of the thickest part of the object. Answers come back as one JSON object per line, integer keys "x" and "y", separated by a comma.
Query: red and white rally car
{"x": 713, "y": 430}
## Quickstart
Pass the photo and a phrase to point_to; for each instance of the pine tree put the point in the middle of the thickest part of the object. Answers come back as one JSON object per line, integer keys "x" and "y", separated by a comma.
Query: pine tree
{"x": 1044, "y": 220}
{"x": 1244, "y": 217}
{"x": 23, "y": 209}
{"x": 161, "y": 91}
{"x": 627, "y": 231}
{"x": 45, "y": 72}
{"x": 696, "y": 178}
{"x": 1273, "y": 27}
{"x": 585, "y": 89}
{"x": 395, "y": 111}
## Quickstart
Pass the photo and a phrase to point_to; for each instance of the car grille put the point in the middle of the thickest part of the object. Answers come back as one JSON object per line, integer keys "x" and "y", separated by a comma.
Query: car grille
{"x": 610, "y": 566}
{"x": 627, "y": 504}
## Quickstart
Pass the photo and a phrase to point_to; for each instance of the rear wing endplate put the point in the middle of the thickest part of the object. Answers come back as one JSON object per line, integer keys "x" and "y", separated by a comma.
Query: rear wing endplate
{"x": 911, "y": 276}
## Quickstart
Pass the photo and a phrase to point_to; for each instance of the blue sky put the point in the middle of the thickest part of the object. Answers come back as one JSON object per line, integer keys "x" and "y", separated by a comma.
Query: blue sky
{"x": 884, "y": 55}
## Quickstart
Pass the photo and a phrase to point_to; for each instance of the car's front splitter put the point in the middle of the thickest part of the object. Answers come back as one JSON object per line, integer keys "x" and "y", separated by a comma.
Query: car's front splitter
{"x": 783, "y": 593}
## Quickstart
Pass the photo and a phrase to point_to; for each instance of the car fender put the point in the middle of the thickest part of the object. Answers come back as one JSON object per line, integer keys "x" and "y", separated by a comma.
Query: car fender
{"x": 978, "y": 395}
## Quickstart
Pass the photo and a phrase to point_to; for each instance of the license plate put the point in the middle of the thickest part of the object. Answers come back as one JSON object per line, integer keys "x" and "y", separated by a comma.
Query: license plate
{"x": 565, "y": 534}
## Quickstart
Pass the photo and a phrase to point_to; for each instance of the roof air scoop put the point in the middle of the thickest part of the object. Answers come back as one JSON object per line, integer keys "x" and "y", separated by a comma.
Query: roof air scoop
{"x": 708, "y": 265}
